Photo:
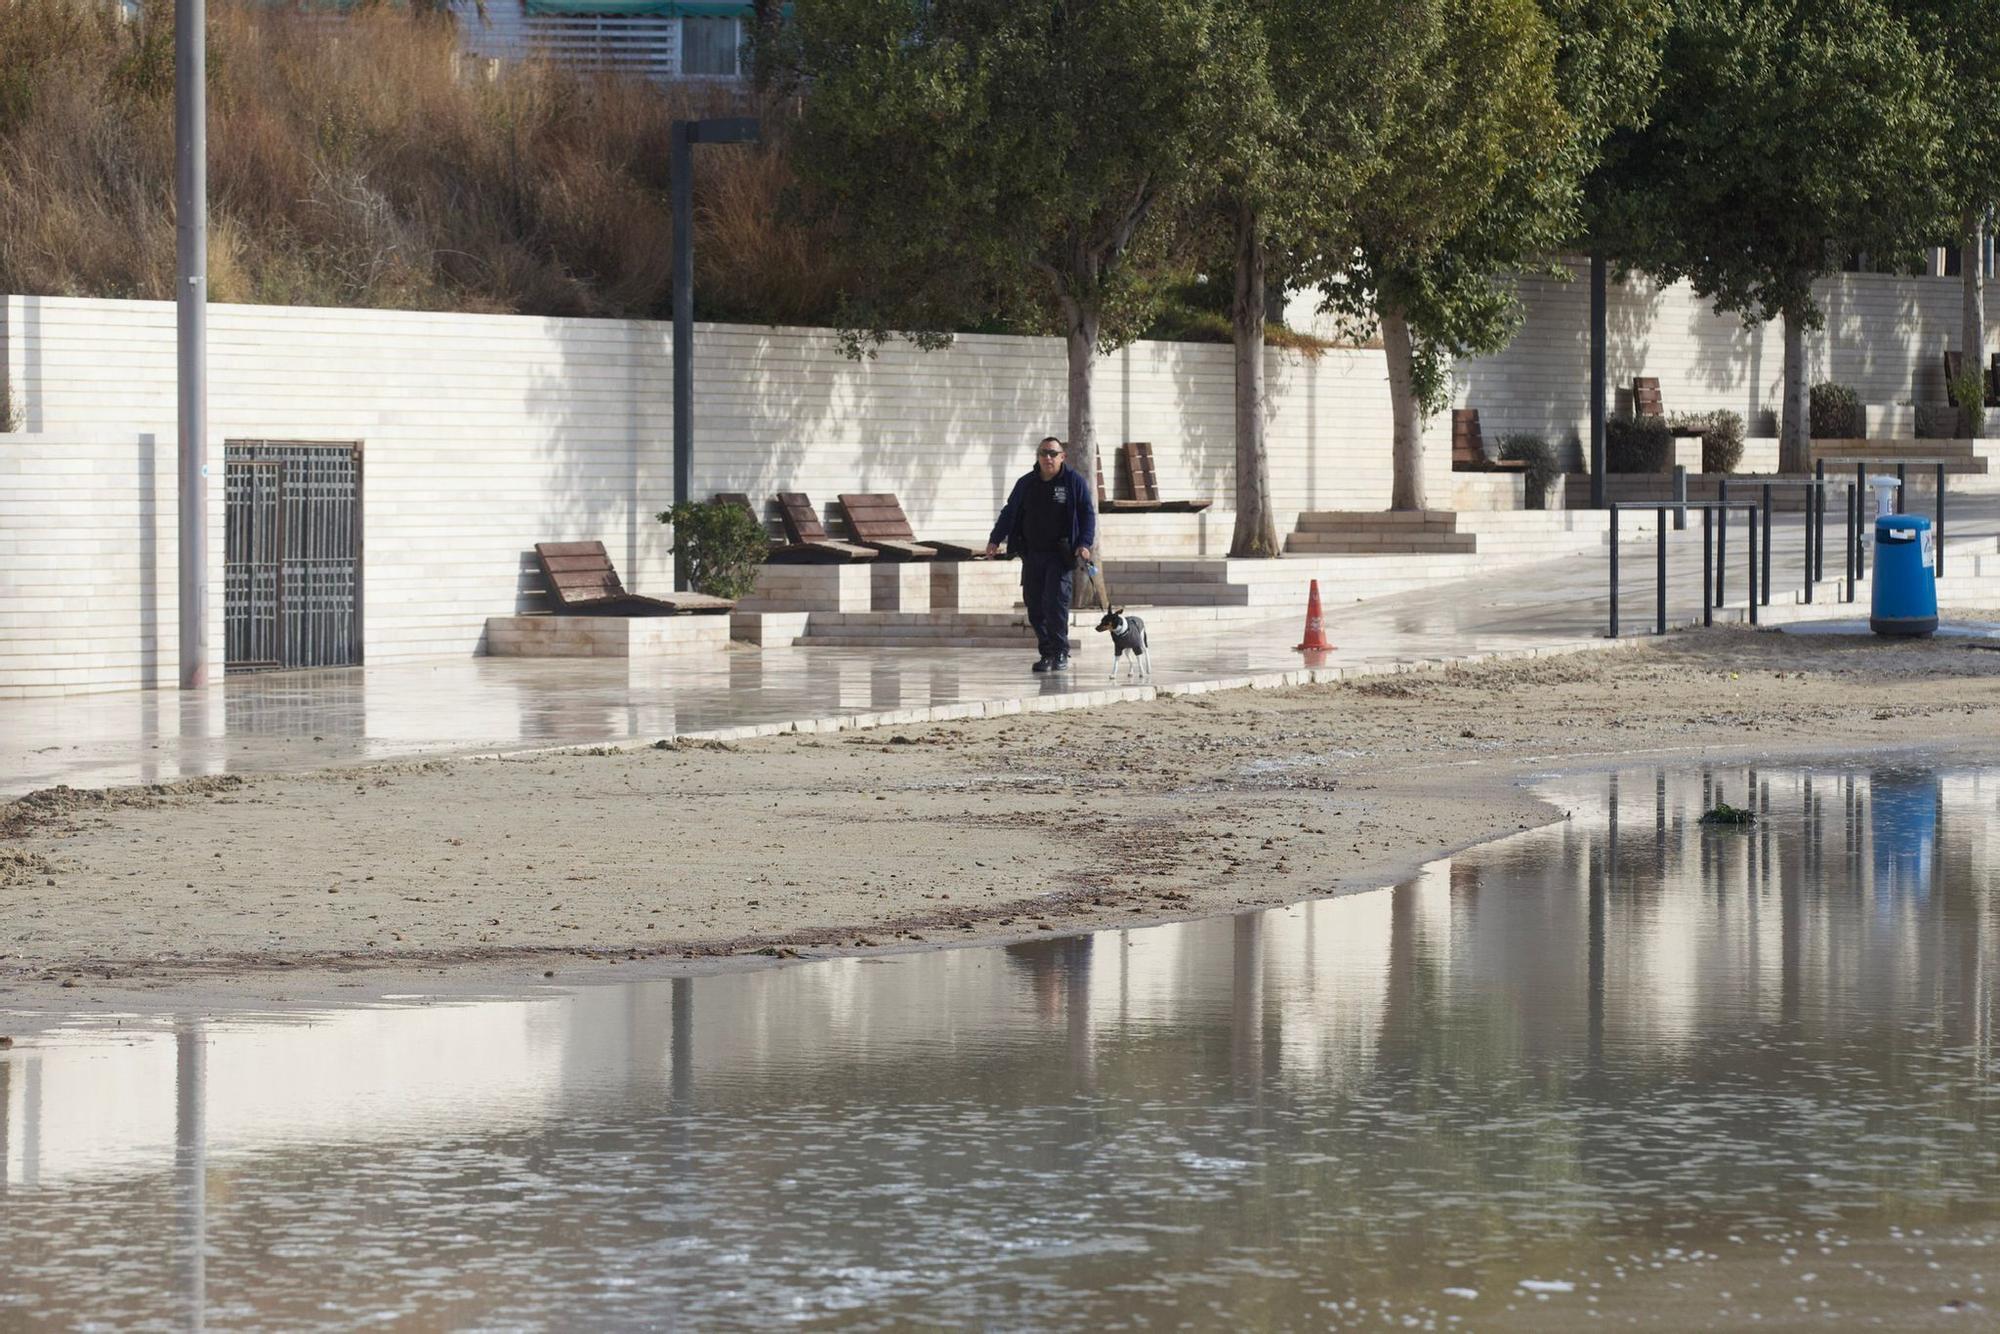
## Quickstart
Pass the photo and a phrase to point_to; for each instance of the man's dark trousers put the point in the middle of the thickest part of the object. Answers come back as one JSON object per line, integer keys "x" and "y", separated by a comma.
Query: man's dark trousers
{"x": 1045, "y": 587}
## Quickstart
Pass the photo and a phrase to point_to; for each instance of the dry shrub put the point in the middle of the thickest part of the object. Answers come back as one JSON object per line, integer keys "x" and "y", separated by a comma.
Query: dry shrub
{"x": 359, "y": 162}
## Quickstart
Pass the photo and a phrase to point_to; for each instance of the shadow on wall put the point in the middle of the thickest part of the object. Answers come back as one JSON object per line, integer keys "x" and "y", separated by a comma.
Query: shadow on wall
{"x": 1203, "y": 449}
{"x": 150, "y": 629}
{"x": 947, "y": 432}
{"x": 21, "y": 326}
{"x": 1878, "y": 339}
{"x": 779, "y": 409}
{"x": 1540, "y": 383}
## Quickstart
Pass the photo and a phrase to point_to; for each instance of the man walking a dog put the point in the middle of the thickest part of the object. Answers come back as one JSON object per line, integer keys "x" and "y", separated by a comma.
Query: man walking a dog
{"x": 1050, "y": 522}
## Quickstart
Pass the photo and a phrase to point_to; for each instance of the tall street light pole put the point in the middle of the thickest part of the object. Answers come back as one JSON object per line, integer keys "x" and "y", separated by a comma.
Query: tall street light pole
{"x": 191, "y": 328}
{"x": 1598, "y": 340}
{"x": 686, "y": 134}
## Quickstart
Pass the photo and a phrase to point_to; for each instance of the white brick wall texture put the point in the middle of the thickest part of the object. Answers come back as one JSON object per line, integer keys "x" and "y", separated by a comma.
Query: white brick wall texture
{"x": 1884, "y": 335}
{"x": 485, "y": 434}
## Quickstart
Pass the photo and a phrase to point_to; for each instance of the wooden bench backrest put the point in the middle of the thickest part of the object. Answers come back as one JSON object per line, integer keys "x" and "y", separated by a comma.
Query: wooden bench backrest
{"x": 876, "y": 517}
{"x": 1646, "y": 398}
{"x": 1466, "y": 444}
{"x": 578, "y": 572}
{"x": 801, "y": 520}
{"x": 1139, "y": 467}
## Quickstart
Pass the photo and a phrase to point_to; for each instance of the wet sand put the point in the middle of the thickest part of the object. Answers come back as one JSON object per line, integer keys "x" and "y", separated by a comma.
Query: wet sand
{"x": 484, "y": 876}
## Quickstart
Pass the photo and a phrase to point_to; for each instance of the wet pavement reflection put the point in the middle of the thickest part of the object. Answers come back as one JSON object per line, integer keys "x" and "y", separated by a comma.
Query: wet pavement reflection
{"x": 1627, "y": 1067}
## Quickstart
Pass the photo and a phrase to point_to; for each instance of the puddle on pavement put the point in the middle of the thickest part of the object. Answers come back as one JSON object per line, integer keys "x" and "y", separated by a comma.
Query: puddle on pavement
{"x": 1625, "y": 1068}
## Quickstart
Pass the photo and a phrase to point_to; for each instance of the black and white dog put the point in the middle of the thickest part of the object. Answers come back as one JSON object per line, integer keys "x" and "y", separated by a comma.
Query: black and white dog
{"x": 1128, "y": 635}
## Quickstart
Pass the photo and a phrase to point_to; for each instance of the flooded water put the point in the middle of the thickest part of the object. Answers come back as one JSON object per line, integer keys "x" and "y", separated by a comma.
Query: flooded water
{"x": 1624, "y": 1070}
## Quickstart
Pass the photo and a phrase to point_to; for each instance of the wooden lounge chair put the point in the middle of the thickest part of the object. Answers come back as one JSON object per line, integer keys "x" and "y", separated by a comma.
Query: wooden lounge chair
{"x": 1120, "y": 504}
{"x": 803, "y": 529}
{"x": 1138, "y": 457}
{"x": 1468, "y": 446}
{"x": 798, "y": 553}
{"x": 876, "y": 519}
{"x": 582, "y": 582}
{"x": 1647, "y": 401}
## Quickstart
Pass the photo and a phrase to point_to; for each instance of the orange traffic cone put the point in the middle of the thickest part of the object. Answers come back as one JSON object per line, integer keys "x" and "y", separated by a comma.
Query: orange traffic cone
{"x": 1315, "y": 626}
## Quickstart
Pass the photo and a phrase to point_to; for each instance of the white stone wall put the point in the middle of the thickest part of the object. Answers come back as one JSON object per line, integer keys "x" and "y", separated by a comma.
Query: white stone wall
{"x": 89, "y": 575}
{"x": 485, "y": 434}
{"x": 1884, "y": 335}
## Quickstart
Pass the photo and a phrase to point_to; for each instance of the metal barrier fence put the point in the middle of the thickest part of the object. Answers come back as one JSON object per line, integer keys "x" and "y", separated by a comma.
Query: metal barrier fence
{"x": 1815, "y": 545}
{"x": 1857, "y": 555}
{"x": 1661, "y": 509}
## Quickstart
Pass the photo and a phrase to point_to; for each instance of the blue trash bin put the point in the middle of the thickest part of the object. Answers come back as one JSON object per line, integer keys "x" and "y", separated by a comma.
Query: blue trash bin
{"x": 1905, "y": 596}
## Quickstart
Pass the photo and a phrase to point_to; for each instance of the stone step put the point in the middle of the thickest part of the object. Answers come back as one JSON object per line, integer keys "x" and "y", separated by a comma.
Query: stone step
{"x": 1373, "y": 543}
{"x": 1384, "y": 521}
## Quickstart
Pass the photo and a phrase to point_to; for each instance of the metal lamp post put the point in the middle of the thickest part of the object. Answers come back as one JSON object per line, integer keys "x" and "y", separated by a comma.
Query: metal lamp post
{"x": 191, "y": 329}
{"x": 686, "y": 134}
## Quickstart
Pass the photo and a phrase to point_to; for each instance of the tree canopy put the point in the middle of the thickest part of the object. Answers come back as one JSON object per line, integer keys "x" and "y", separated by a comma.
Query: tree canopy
{"x": 985, "y": 160}
{"x": 1788, "y": 136}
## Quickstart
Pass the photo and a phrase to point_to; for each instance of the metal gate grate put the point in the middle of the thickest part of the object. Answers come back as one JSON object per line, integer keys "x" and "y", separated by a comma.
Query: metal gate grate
{"x": 292, "y": 592}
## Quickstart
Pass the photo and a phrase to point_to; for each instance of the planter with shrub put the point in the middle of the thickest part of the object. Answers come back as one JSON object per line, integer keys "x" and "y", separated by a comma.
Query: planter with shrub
{"x": 1721, "y": 438}
{"x": 1543, "y": 471}
{"x": 1637, "y": 444}
{"x": 722, "y": 546}
{"x": 1835, "y": 412}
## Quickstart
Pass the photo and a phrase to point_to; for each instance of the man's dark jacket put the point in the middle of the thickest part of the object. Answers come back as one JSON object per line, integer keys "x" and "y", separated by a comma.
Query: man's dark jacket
{"x": 1082, "y": 510}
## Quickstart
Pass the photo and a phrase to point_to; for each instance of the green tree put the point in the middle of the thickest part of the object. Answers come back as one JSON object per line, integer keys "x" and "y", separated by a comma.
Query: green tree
{"x": 995, "y": 161}
{"x": 1787, "y": 136}
{"x": 1478, "y": 159}
{"x": 1471, "y": 176}
{"x": 1289, "y": 172}
{"x": 1967, "y": 34}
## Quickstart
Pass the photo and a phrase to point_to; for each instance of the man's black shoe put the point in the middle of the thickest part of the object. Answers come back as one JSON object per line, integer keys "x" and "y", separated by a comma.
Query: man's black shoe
{"x": 1060, "y": 664}
{"x": 1044, "y": 665}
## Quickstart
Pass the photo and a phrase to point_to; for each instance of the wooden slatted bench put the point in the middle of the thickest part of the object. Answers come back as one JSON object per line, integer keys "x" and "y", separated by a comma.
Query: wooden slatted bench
{"x": 784, "y": 552}
{"x": 876, "y": 519}
{"x": 1121, "y": 504}
{"x": 803, "y": 528}
{"x": 1138, "y": 456}
{"x": 1647, "y": 401}
{"x": 582, "y": 582}
{"x": 1468, "y": 446}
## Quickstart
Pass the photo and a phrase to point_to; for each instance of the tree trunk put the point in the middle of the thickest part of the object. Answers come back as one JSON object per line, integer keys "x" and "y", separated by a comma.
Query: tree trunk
{"x": 1081, "y": 338}
{"x": 1795, "y": 426}
{"x": 1972, "y": 273}
{"x": 1256, "y": 526}
{"x": 1406, "y": 451}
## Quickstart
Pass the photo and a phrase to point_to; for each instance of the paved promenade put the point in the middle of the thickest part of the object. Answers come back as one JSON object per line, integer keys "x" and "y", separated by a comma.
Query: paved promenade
{"x": 306, "y": 720}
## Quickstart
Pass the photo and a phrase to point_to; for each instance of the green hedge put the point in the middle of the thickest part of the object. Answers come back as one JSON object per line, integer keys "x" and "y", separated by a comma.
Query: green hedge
{"x": 1835, "y": 412}
{"x": 1637, "y": 444}
{"x": 1544, "y": 471}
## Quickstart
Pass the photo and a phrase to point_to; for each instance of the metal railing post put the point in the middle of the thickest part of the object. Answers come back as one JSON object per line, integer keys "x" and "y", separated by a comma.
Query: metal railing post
{"x": 1680, "y": 497}
{"x": 1852, "y": 500}
{"x": 1766, "y": 588}
{"x": 1938, "y": 535}
{"x": 1816, "y": 518}
{"x": 1721, "y": 539}
{"x": 1750, "y": 514}
{"x": 1860, "y": 518}
{"x": 1614, "y": 573}
{"x": 1660, "y": 574}
{"x": 1809, "y": 545}
{"x": 1708, "y": 567}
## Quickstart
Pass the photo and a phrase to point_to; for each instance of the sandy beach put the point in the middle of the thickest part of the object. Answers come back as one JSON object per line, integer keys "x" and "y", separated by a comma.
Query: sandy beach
{"x": 492, "y": 874}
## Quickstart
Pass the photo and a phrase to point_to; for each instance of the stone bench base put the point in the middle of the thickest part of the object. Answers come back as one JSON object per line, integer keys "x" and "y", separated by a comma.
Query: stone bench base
{"x": 605, "y": 636}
